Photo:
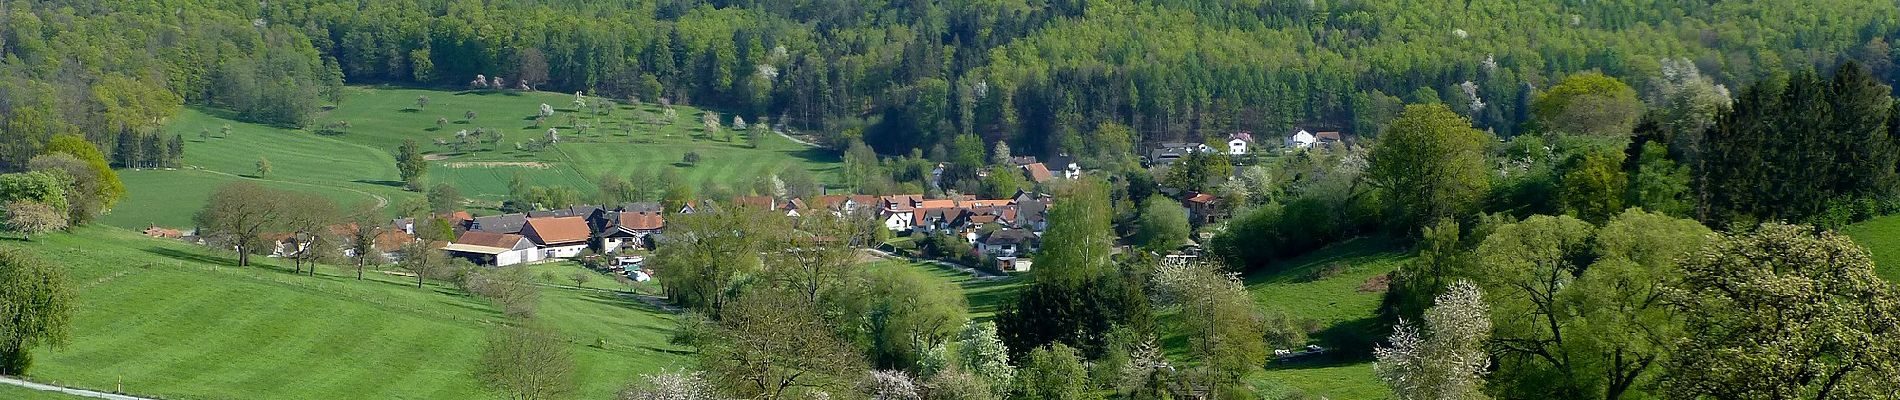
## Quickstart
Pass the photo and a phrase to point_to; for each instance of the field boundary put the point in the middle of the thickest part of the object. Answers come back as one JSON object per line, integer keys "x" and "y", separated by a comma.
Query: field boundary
{"x": 72, "y": 391}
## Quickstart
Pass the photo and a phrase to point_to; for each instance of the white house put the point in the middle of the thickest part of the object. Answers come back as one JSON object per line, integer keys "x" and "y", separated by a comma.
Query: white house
{"x": 558, "y": 237}
{"x": 1237, "y": 144}
{"x": 1301, "y": 140}
{"x": 1006, "y": 243}
{"x": 494, "y": 249}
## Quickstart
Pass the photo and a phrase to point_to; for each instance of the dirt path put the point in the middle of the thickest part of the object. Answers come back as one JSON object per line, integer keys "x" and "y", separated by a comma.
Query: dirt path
{"x": 67, "y": 390}
{"x": 793, "y": 139}
{"x": 380, "y": 200}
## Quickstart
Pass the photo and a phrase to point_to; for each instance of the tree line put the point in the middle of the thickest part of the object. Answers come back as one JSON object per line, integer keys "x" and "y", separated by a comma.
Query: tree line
{"x": 909, "y": 74}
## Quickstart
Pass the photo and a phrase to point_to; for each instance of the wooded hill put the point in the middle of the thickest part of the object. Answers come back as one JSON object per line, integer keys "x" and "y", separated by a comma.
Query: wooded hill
{"x": 911, "y": 74}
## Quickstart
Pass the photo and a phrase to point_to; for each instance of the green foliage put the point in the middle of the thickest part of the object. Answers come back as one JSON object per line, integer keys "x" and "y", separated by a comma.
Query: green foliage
{"x": 1163, "y": 226}
{"x": 1660, "y": 184}
{"x": 1430, "y": 164}
{"x": 1053, "y": 372}
{"x": 1590, "y": 325}
{"x": 444, "y": 198}
{"x": 411, "y": 164}
{"x": 36, "y": 302}
{"x": 1588, "y": 104}
{"x": 105, "y": 187}
{"x": 1783, "y": 312}
{"x": 982, "y": 354}
{"x": 41, "y": 187}
{"x": 1593, "y": 186}
{"x": 910, "y": 313}
{"x": 1846, "y": 159}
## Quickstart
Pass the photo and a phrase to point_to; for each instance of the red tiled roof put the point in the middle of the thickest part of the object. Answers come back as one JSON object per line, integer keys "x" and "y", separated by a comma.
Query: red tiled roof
{"x": 1334, "y": 136}
{"x": 168, "y": 233}
{"x": 489, "y": 239}
{"x": 760, "y": 202}
{"x": 1202, "y": 198}
{"x": 793, "y": 204}
{"x": 641, "y": 221}
{"x": 1038, "y": 172}
{"x": 556, "y": 230}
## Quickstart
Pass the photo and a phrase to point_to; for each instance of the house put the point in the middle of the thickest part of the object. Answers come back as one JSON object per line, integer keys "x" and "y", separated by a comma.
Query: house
{"x": 494, "y": 249}
{"x": 792, "y": 207}
{"x": 504, "y": 223}
{"x": 1007, "y": 243}
{"x": 1018, "y": 161}
{"x": 1038, "y": 173}
{"x": 846, "y": 204}
{"x": 1301, "y": 140}
{"x": 629, "y": 228}
{"x": 755, "y": 202}
{"x": 1013, "y": 264}
{"x": 1066, "y": 166}
{"x": 1204, "y": 208}
{"x": 163, "y": 233}
{"x": 575, "y": 211}
{"x": 897, "y": 211}
{"x": 1326, "y": 138}
{"x": 558, "y": 237}
{"x": 458, "y": 220}
{"x": 1237, "y": 143}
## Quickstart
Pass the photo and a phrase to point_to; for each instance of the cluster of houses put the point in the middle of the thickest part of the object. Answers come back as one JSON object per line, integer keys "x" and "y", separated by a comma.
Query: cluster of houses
{"x": 1238, "y": 144}
{"x": 1002, "y": 229}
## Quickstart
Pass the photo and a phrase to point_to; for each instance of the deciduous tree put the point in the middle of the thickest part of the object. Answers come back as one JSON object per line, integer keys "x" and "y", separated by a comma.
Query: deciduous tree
{"x": 36, "y": 302}
{"x": 1430, "y": 165}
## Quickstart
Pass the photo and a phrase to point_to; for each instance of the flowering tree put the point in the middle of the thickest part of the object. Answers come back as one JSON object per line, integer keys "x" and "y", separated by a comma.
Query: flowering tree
{"x": 1445, "y": 360}
{"x": 480, "y": 82}
{"x": 677, "y": 385}
{"x": 546, "y": 110}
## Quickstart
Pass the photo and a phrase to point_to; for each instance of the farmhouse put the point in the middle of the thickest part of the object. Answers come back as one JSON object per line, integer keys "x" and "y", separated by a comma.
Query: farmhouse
{"x": 493, "y": 249}
{"x": 1038, "y": 173}
{"x": 1301, "y": 140}
{"x": 629, "y": 228}
{"x": 558, "y": 237}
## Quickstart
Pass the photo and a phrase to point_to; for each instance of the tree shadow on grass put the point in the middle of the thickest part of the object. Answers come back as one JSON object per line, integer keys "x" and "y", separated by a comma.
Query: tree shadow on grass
{"x": 182, "y": 255}
{"x": 380, "y": 182}
{"x": 411, "y": 110}
{"x": 816, "y": 155}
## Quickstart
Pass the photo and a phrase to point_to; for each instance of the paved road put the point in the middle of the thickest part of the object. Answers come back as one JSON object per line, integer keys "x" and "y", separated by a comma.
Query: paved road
{"x": 67, "y": 390}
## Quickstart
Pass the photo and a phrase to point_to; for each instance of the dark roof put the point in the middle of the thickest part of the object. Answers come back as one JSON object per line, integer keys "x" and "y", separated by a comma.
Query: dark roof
{"x": 1007, "y": 236}
{"x": 505, "y": 223}
{"x": 647, "y": 206}
{"x": 575, "y": 211}
{"x": 1327, "y": 136}
{"x": 1022, "y": 160}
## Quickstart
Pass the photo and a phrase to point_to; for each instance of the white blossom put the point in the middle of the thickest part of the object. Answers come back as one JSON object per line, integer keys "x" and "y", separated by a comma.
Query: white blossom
{"x": 891, "y": 385}
{"x": 679, "y": 385}
{"x": 769, "y": 72}
{"x": 1460, "y": 33}
{"x": 1471, "y": 92}
{"x": 1446, "y": 359}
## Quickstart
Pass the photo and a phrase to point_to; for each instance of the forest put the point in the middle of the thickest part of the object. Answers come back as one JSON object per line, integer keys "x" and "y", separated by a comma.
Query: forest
{"x": 901, "y": 75}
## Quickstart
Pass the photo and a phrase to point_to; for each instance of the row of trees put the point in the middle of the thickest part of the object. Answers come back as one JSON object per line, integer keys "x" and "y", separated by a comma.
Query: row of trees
{"x": 1644, "y": 304}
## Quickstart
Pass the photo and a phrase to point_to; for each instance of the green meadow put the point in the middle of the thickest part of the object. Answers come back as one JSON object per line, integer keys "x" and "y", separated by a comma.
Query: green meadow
{"x": 1881, "y": 237}
{"x": 1338, "y": 290}
{"x": 171, "y": 320}
{"x": 356, "y": 164}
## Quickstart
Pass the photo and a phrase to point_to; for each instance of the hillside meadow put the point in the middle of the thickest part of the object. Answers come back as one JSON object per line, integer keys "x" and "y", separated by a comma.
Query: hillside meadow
{"x": 171, "y": 320}
{"x": 348, "y": 153}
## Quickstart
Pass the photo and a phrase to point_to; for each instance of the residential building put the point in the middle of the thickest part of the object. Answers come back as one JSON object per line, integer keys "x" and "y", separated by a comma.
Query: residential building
{"x": 1237, "y": 143}
{"x": 1038, "y": 173}
{"x": 1301, "y": 140}
{"x": 1007, "y": 243}
{"x": 629, "y": 228}
{"x": 494, "y": 249}
{"x": 1204, "y": 208}
{"x": 558, "y": 237}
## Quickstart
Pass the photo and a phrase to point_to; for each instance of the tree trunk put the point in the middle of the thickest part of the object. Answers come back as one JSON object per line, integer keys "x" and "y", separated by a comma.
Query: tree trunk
{"x": 359, "y": 268}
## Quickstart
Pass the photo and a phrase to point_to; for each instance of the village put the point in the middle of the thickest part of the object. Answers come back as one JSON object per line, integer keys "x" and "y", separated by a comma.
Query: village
{"x": 996, "y": 236}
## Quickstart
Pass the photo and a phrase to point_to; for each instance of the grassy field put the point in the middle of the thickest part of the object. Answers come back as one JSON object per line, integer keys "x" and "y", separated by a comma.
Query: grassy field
{"x": 985, "y": 296}
{"x": 1881, "y": 237}
{"x": 176, "y": 322}
{"x": 356, "y": 165}
{"x": 1336, "y": 289}
{"x": 20, "y": 393}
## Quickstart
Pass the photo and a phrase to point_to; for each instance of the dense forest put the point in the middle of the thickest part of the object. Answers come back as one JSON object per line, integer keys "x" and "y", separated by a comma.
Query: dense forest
{"x": 904, "y": 75}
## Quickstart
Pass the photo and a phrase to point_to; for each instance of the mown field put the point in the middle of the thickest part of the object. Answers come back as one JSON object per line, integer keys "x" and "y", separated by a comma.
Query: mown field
{"x": 356, "y": 164}
{"x": 985, "y": 296}
{"x": 174, "y": 321}
{"x": 1881, "y": 237}
{"x": 1336, "y": 289}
